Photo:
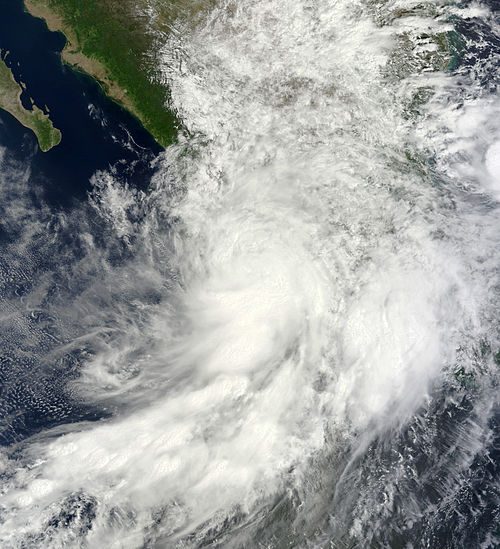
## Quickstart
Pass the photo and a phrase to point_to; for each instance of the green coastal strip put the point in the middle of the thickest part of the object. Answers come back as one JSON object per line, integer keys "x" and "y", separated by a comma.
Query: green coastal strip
{"x": 34, "y": 119}
{"x": 112, "y": 40}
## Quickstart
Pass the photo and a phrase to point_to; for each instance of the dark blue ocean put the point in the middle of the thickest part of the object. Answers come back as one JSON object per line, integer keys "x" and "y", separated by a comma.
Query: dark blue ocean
{"x": 97, "y": 134}
{"x": 80, "y": 281}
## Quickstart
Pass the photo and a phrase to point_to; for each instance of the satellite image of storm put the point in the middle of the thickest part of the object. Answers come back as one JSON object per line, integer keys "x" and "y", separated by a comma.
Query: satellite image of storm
{"x": 249, "y": 274}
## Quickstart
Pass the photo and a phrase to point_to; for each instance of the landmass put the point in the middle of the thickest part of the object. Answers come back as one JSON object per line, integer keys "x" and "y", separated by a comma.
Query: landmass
{"x": 114, "y": 42}
{"x": 117, "y": 43}
{"x": 34, "y": 119}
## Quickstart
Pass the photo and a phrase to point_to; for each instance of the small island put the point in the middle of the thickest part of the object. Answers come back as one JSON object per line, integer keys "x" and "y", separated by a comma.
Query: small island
{"x": 34, "y": 119}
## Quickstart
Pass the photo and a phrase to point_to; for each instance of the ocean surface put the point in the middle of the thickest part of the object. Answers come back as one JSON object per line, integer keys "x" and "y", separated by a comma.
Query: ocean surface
{"x": 283, "y": 330}
{"x": 97, "y": 133}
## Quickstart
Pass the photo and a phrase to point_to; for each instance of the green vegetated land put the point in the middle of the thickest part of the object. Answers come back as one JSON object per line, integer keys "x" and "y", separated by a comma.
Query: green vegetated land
{"x": 114, "y": 41}
{"x": 34, "y": 119}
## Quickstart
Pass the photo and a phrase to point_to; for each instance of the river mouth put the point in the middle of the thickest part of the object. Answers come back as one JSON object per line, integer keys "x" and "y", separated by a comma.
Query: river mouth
{"x": 291, "y": 330}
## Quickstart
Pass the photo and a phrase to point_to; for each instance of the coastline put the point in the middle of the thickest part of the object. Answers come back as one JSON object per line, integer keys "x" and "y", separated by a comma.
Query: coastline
{"x": 74, "y": 57}
{"x": 101, "y": 45}
{"x": 35, "y": 119}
